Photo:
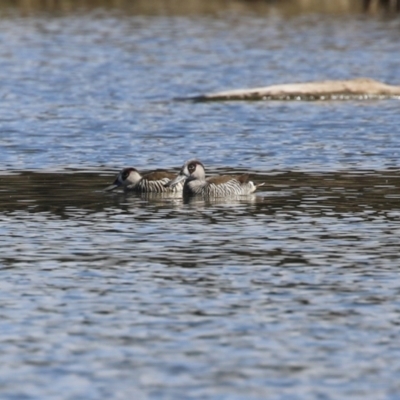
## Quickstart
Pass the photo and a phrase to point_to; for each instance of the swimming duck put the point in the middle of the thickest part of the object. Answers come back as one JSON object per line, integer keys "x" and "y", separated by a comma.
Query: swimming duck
{"x": 219, "y": 186}
{"x": 153, "y": 182}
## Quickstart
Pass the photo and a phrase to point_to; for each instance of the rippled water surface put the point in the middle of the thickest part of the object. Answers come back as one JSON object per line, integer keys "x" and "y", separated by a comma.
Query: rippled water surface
{"x": 290, "y": 293}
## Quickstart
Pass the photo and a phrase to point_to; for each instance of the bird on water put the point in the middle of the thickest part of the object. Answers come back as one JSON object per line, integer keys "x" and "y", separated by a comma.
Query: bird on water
{"x": 153, "y": 182}
{"x": 196, "y": 184}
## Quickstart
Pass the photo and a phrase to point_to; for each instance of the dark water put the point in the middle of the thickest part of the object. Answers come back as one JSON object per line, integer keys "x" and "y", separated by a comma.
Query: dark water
{"x": 291, "y": 293}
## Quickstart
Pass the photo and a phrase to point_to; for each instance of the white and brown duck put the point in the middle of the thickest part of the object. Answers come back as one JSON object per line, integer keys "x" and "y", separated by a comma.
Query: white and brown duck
{"x": 196, "y": 184}
{"x": 153, "y": 182}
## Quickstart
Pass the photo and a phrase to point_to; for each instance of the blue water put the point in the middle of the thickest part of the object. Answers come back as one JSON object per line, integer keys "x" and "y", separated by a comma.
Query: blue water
{"x": 292, "y": 293}
{"x": 95, "y": 90}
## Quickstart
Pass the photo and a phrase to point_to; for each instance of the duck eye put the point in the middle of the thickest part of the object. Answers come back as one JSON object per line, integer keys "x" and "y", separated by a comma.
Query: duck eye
{"x": 191, "y": 168}
{"x": 125, "y": 174}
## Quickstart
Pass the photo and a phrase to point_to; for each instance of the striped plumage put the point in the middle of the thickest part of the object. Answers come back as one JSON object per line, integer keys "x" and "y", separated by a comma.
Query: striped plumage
{"x": 153, "y": 182}
{"x": 196, "y": 183}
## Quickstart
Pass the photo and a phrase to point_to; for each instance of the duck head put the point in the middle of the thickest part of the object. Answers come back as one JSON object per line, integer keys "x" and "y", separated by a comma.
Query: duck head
{"x": 127, "y": 177}
{"x": 192, "y": 169}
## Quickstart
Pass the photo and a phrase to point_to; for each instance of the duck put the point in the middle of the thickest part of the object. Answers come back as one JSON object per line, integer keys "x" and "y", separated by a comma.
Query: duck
{"x": 195, "y": 182}
{"x": 153, "y": 182}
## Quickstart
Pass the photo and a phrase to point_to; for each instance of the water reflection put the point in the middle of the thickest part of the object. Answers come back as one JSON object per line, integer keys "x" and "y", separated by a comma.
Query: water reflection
{"x": 219, "y": 298}
{"x": 339, "y": 192}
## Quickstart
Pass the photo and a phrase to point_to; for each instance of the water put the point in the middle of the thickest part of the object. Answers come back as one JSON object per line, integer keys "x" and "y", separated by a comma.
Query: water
{"x": 290, "y": 293}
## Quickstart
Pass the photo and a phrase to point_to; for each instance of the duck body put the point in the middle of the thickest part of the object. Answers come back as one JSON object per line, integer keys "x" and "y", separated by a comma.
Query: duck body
{"x": 196, "y": 184}
{"x": 219, "y": 186}
{"x": 153, "y": 182}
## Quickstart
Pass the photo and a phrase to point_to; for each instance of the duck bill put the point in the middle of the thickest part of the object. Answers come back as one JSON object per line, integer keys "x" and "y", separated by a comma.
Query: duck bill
{"x": 113, "y": 186}
{"x": 175, "y": 181}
